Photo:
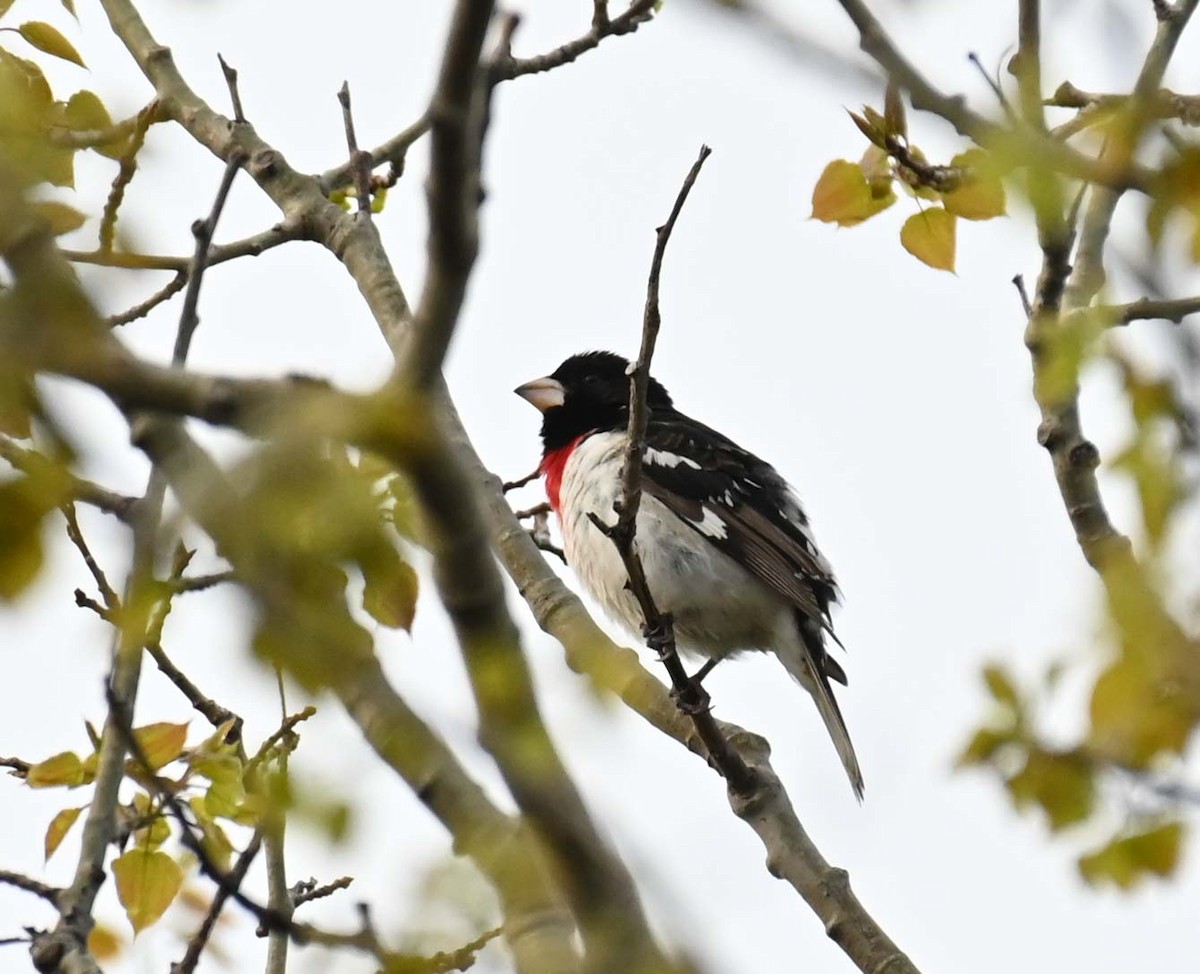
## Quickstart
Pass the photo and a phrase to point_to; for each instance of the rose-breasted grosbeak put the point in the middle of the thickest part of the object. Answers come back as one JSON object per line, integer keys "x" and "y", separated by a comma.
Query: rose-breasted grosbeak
{"x": 726, "y": 547}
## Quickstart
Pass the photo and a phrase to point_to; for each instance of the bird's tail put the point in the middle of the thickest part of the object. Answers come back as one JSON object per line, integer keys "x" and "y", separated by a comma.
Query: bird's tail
{"x": 804, "y": 659}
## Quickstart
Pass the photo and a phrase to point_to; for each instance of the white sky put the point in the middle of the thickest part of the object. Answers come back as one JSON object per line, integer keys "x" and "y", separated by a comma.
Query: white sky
{"x": 895, "y": 397}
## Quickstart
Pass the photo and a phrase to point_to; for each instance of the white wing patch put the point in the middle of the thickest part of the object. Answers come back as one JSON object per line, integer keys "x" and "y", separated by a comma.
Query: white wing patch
{"x": 711, "y": 524}
{"x": 669, "y": 460}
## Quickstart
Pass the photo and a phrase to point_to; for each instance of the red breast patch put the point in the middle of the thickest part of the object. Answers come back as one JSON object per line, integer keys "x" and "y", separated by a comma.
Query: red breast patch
{"x": 552, "y": 466}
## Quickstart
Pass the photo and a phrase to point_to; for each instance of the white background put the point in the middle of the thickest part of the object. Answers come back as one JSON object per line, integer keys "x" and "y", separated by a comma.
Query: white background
{"x": 895, "y": 397}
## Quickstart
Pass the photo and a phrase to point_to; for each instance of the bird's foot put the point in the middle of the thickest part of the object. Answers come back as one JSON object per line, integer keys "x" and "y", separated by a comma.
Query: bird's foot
{"x": 692, "y": 699}
{"x": 661, "y": 638}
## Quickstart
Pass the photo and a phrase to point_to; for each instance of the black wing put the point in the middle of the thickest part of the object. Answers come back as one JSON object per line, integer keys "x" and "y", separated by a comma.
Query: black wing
{"x": 743, "y": 507}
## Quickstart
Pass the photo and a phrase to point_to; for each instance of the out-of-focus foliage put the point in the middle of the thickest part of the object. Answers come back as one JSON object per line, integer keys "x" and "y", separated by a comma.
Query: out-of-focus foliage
{"x": 969, "y": 188}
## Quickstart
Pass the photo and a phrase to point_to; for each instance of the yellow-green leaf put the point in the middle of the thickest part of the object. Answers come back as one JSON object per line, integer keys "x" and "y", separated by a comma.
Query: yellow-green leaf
{"x": 47, "y": 39}
{"x": 60, "y": 825}
{"x": 844, "y": 196}
{"x": 147, "y": 882}
{"x": 104, "y": 943}
{"x": 154, "y": 833}
{"x": 69, "y": 6}
{"x": 1125, "y": 861}
{"x": 1000, "y": 684}
{"x": 86, "y": 112}
{"x": 61, "y": 218}
{"x": 61, "y": 769}
{"x": 930, "y": 237}
{"x": 983, "y": 744}
{"x": 1063, "y": 784}
{"x": 4, "y": 5}
{"x": 161, "y": 743}
{"x": 980, "y": 195}
{"x": 390, "y": 593}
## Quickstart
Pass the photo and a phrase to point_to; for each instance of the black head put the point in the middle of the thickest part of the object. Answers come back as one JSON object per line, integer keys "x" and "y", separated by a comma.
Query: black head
{"x": 587, "y": 392}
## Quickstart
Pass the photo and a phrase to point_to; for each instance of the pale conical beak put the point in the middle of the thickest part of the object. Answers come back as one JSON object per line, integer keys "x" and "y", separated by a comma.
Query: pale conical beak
{"x": 545, "y": 394}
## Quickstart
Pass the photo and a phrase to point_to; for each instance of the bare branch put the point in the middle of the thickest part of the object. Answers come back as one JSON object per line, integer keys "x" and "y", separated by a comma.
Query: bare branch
{"x": 199, "y": 940}
{"x": 361, "y": 162}
{"x": 111, "y": 601}
{"x": 162, "y": 295}
{"x": 638, "y": 12}
{"x": 125, "y": 173}
{"x": 48, "y": 893}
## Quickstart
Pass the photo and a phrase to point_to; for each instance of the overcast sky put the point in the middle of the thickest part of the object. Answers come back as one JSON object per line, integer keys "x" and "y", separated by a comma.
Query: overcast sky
{"x": 896, "y": 398}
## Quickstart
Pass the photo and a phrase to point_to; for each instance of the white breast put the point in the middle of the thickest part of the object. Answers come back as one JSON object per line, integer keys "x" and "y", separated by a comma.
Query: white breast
{"x": 718, "y": 606}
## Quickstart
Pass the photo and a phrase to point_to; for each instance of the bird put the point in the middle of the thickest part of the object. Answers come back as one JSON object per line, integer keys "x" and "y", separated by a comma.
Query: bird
{"x": 726, "y": 548}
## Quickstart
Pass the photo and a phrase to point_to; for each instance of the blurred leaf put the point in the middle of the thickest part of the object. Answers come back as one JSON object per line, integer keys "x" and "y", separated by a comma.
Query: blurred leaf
{"x": 843, "y": 195}
{"x": 984, "y": 743}
{"x": 390, "y": 594}
{"x": 876, "y": 136}
{"x": 227, "y": 790}
{"x": 1135, "y": 715}
{"x": 60, "y": 217}
{"x": 60, "y": 825}
{"x": 893, "y": 111}
{"x": 161, "y": 743}
{"x": 930, "y": 237}
{"x": 379, "y": 199}
{"x": 1000, "y": 685}
{"x": 980, "y": 195}
{"x": 18, "y": 401}
{"x": 48, "y": 40}
{"x": 1127, "y": 860}
{"x": 147, "y": 882}
{"x": 104, "y": 943}
{"x": 4, "y": 5}
{"x": 1063, "y": 784}
{"x": 69, "y": 6}
{"x": 1159, "y": 482}
{"x": 214, "y": 839}
{"x": 61, "y": 769}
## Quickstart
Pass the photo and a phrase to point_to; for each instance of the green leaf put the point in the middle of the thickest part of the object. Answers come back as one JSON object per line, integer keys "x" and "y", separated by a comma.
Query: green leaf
{"x": 61, "y": 769}
{"x": 980, "y": 195}
{"x": 60, "y": 217}
{"x": 24, "y": 504}
{"x": 85, "y": 112}
{"x": 1000, "y": 685}
{"x": 843, "y": 195}
{"x": 930, "y": 237}
{"x": 161, "y": 743}
{"x": 1125, "y": 861}
{"x": 154, "y": 833}
{"x": 984, "y": 743}
{"x": 1063, "y": 784}
{"x": 390, "y": 594}
{"x": 147, "y": 883}
{"x": 4, "y": 5}
{"x": 60, "y": 825}
{"x": 48, "y": 40}
{"x": 69, "y": 6}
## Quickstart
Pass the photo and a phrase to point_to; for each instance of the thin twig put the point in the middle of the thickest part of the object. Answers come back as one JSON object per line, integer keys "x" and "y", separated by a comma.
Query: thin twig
{"x": 208, "y": 708}
{"x": 125, "y": 173}
{"x": 111, "y": 599}
{"x": 202, "y": 231}
{"x": 1019, "y": 284}
{"x": 138, "y": 311}
{"x": 522, "y": 481}
{"x": 659, "y": 631}
{"x": 235, "y": 96}
{"x": 307, "y": 891}
{"x": 199, "y": 940}
{"x": 361, "y": 162}
{"x": 83, "y": 491}
{"x": 19, "y": 881}
{"x": 638, "y": 12}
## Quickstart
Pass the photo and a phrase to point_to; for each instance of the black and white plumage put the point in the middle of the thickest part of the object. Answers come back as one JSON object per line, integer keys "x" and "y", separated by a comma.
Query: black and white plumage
{"x": 725, "y": 545}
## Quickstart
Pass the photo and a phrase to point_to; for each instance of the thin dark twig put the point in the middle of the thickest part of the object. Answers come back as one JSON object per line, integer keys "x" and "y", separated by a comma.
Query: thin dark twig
{"x": 659, "y": 630}
{"x": 84, "y": 601}
{"x": 29, "y": 885}
{"x": 542, "y": 508}
{"x": 111, "y": 600}
{"x": 198, "y": 583}
{"x": 203, "y": 231}
{"x": 992, "y": 83}
{"x": 208, "y": 708}
{"x": 361, "y": 162}
{"x": 1019, "y": 283}
{"x": 231, "y": 81}
{"x": 306, "y": 892}
{"x": 522, "y": 481}
{"x": 237, "y": 875}
{"x": 163, "y": 294}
